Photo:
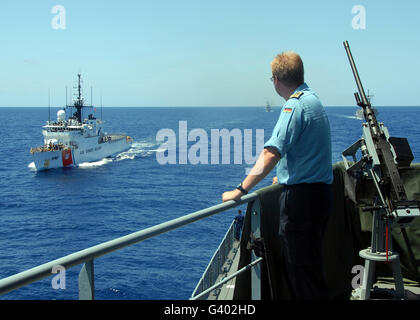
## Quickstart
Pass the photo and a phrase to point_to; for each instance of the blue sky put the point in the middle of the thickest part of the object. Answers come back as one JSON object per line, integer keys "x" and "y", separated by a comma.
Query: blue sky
{"x": 205, "y": 53}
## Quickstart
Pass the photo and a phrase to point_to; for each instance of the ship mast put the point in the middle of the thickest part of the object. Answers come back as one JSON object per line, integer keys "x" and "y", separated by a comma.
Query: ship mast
{"x": 78, "y": 103}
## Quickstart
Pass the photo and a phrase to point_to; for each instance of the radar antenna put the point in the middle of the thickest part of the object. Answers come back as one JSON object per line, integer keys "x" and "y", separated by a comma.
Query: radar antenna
{"x": 78, "y": 103}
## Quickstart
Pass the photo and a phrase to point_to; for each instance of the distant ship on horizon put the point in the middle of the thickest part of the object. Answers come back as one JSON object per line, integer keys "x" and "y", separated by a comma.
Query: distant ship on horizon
{"x": 268, "y": 107}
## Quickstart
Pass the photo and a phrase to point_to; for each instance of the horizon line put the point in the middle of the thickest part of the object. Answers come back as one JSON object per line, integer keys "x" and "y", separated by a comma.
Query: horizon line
{"x": 189, "y": 106}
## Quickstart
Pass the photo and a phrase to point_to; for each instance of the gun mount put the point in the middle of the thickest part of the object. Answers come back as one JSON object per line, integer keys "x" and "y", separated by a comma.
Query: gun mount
{"x": 381, "y": 159}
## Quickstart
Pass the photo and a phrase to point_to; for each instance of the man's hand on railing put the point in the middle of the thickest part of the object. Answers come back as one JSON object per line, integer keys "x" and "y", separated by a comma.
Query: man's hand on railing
{"x": 275, "y": 180}
{"x": 232, "y": 195}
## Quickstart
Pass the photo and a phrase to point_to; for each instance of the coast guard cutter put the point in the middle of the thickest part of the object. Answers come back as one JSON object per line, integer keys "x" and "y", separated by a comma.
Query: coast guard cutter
{"x": 76, "y": 137}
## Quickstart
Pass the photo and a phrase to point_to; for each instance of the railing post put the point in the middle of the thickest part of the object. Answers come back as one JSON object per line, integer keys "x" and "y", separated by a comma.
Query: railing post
{"x": 86, "y": 282}
{"x": 256, "y": 270}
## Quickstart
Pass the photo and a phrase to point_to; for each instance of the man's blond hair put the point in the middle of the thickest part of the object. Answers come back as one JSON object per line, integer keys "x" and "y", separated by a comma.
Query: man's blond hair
{"x": 287, "y": 67}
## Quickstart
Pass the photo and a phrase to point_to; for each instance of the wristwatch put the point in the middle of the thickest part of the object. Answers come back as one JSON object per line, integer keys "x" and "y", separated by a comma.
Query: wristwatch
{"x": 241, "y": 189}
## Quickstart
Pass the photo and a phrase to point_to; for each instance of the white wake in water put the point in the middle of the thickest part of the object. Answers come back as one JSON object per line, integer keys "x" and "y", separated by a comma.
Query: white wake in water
{"x": 351, "y": 117}
{"x": 343, "y": 116}
{"x": 31, "y": 166}
{"x": 138, "y": 149}
{"x": 94, "y": 164}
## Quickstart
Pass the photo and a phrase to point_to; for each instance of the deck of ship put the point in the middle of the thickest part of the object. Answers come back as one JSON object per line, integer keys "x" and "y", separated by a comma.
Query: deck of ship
{"x": 382, "y": 289}
{"x": 225, "y": 292}
{"x": 386, "y": 290}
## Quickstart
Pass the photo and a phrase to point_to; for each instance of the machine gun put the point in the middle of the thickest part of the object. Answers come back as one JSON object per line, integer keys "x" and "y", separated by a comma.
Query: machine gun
{"x": 378, "y": 169}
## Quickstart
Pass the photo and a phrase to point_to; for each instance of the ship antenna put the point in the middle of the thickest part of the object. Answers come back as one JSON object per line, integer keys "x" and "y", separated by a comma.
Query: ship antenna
{"x": 91, "y": 103}
{"x": 49, "y": 107}
{"x": 79, "y": 87}
{"x": 79, "y": 101}
{"x": 101, "y": 106}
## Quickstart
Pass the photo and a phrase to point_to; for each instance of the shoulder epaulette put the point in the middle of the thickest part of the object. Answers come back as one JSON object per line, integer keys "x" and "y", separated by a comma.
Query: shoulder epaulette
{"x": 296, "y": 95}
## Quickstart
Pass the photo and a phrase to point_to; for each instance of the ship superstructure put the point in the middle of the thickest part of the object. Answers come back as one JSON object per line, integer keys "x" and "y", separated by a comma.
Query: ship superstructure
{"x": 75, "y": 137}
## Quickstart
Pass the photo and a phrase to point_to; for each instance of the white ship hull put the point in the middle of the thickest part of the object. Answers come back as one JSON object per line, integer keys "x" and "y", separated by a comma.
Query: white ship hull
{"x": 89, "y": 151}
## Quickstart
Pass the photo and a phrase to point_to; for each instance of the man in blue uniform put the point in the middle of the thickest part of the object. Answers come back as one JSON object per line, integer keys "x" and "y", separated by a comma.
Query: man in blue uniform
{"x": 300, "y": 146}
{"x": 239, "y": 221}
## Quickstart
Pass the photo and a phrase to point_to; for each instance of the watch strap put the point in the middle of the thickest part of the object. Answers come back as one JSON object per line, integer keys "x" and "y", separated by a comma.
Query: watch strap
{"x": 241, "y": 189}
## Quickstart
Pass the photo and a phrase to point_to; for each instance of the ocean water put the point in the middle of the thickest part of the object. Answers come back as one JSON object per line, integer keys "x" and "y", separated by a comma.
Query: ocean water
{"x": 47, "y": 215}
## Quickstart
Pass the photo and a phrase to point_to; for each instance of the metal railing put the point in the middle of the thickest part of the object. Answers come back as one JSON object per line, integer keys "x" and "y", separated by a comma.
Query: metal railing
{"x": 87, "y": 256}
{"x": 226, "y": 279}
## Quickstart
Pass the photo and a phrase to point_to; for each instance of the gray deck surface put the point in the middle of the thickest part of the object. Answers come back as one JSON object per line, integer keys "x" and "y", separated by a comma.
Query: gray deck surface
{"x": 225, "y": 292}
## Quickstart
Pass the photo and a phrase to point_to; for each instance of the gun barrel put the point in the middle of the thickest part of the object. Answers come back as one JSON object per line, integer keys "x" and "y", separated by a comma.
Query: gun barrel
{"x": 365, "y": 101}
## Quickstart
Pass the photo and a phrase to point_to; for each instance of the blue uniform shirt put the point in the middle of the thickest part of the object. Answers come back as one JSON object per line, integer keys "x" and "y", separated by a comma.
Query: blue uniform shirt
{"x": 303, "y": 139}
